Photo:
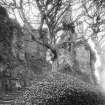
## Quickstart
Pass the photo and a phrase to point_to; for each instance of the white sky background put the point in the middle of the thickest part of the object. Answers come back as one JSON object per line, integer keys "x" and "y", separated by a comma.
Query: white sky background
{"x": 31, "y": 12}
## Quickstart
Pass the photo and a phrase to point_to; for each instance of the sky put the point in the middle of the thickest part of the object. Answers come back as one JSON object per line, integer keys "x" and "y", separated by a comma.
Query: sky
{"x": 31, "y": 12}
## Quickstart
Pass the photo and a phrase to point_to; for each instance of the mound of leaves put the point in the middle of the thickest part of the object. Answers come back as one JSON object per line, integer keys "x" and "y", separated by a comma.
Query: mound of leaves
{"x": 61, "y": 89}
